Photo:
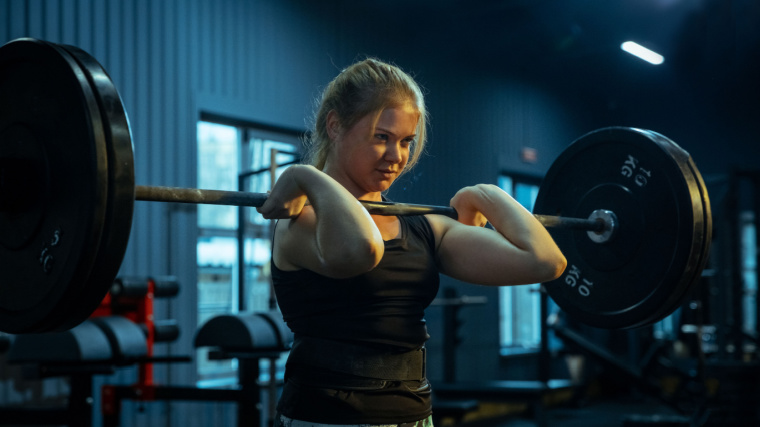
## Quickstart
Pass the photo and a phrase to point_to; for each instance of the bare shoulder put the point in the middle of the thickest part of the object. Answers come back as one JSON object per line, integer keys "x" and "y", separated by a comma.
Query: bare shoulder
{"x": 440, "y": 225}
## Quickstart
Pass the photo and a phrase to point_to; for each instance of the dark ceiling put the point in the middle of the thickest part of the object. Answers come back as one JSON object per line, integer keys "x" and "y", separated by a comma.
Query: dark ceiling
{"x": 710, "y": 44}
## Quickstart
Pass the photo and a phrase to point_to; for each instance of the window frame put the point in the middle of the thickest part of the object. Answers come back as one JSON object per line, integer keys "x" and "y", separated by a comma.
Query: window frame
{"x": 507, "y": 318}
{"x": 225, "y": 373}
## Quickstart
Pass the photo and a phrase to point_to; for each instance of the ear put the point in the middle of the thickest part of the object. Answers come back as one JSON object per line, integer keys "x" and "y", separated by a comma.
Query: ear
{"x": 333, "y": 125}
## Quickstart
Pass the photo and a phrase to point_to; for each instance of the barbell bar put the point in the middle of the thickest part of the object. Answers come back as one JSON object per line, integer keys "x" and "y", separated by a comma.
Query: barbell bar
{"x": 249, "y": 199}
{"x": 241, "y": 198}
{"x": 627, "y": 207}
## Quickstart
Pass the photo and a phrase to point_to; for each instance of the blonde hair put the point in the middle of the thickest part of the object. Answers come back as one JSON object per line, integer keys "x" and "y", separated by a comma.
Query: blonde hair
{"x": 366, "y": 87}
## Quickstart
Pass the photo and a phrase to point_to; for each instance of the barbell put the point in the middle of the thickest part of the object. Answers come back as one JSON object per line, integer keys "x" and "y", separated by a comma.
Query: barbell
{"x": 627, "y": 206}
{"x": 597, "y": 223}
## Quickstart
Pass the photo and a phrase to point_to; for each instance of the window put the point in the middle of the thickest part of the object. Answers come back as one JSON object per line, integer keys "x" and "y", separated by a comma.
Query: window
{"x": 235, "y": 157}
{"x": 519, "y": 306}
{"x": 259, "y": 152}
{"x": 748, "y": 265}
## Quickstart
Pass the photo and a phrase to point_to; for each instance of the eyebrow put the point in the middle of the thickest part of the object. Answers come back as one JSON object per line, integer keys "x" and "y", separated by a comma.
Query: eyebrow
{"x": 382, "y": 129}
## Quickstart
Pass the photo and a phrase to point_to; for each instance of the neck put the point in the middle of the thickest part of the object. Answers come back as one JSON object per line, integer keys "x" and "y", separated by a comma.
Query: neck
{"x": 352, "y": 188}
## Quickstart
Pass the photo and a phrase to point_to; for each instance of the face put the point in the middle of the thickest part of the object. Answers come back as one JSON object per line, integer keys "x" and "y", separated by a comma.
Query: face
{"x": 367, "y": 159}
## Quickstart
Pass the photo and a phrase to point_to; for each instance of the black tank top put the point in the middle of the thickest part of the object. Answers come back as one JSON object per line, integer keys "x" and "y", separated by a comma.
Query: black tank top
{"x": 383, "y": 308}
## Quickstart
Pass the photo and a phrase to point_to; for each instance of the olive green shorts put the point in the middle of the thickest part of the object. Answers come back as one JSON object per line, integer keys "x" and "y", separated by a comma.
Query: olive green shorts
{"x": 283, "y": 421}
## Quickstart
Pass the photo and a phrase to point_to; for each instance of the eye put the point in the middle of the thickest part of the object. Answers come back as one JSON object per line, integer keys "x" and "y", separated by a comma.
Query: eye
{"x": 407, "y": 142}
{"x": 381, "y": 136}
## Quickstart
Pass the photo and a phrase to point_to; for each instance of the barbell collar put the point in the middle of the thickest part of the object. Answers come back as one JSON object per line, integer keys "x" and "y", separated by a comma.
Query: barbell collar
{"x": 609, "y": 223}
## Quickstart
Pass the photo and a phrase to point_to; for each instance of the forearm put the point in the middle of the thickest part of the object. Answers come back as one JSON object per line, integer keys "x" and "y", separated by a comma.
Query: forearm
{"x": 344, "y": 231}
{"x": 510, "y": 218}
{"x": 517, "y": 226}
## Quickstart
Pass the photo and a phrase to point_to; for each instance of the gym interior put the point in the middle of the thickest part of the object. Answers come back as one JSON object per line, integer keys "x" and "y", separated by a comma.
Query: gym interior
{"x": 219, "y": 95}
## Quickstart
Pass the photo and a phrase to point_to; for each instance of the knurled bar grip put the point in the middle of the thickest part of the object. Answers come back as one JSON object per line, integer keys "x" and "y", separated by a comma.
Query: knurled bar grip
{"x": 196, "y": 196}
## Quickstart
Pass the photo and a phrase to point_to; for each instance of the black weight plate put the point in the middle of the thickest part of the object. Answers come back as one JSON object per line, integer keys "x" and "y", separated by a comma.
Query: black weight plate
{"x": 47, "y": 107}
{"x": 702, "y": 232}
{"x": 645, "y": 270}
{"x": 23, "y": 177}
{"x": 121, "y": 193}
{"x": 707, "y": 230}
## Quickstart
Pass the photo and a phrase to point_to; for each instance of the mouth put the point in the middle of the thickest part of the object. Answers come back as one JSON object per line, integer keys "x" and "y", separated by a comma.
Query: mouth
{"x": 387, "y": 173}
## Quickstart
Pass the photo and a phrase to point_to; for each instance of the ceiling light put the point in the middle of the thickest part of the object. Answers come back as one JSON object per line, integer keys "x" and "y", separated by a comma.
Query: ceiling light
{"x": 640, "y": 51}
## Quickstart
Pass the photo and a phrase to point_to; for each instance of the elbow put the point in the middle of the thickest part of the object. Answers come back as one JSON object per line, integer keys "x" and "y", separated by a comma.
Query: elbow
{"x": 363, "y": 260}
{"x": 552, "y": 267}
{"x": 353, "y": 260}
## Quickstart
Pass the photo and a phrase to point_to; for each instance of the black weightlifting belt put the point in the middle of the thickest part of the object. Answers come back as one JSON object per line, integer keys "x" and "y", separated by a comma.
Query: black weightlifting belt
{"x": 359, "y": 360}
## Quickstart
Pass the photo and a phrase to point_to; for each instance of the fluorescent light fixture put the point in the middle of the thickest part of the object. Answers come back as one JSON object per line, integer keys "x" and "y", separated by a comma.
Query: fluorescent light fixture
{"x": 640, "y": 51}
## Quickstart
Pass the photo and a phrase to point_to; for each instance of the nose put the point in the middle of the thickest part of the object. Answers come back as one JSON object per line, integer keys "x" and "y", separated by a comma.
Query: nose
{"x": 393, "y": 152}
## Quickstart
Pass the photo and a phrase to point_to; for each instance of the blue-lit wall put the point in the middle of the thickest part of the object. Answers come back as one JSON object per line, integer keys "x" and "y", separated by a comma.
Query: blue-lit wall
{"x": 262, "y": 61}
{"x": 265, "y": 61}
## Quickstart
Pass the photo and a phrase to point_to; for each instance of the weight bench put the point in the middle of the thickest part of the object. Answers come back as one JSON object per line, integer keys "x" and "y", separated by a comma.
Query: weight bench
{"x": 531, "y": 392}
{"x": 94, "y": 347}
{"x": 245, "y": 337}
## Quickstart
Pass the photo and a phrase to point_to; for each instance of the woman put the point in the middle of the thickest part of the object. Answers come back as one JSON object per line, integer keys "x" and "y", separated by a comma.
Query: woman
{"x": 353, "y": 287}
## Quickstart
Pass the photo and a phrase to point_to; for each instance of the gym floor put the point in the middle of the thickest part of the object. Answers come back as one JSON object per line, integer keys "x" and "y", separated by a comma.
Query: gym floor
{"x": 616, "y": 412}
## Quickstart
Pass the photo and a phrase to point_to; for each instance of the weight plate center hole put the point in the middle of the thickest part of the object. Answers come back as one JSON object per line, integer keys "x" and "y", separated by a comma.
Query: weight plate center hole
{"x": 608, "y": 225}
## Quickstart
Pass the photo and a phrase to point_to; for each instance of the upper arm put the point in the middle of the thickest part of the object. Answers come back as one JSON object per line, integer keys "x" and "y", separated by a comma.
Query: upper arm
{"x": 293, "y": 242}
{"x": 483, "y": 256}
{"x": 296, "y": 246}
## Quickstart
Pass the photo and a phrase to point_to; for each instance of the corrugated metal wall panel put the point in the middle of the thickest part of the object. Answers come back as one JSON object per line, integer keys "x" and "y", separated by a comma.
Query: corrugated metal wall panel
{"x": 160, "y": 54}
